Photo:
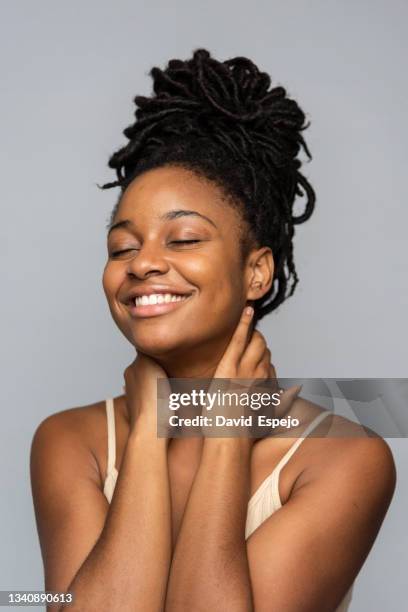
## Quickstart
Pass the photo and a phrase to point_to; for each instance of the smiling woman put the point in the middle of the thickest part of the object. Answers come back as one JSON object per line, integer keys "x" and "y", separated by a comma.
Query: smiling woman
{"x": 199, "y": 250}
{"x": 152, "y": 254}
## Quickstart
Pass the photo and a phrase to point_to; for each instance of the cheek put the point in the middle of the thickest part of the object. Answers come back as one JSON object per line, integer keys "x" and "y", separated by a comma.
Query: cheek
{"x": 112, "y": 278}
{"x": 219, "y": 304}
{"x": 107, "y": 281}
{"x": 223, "y": 285}
{"x": 221, "y": 296}
{"x": 217, "y": 275}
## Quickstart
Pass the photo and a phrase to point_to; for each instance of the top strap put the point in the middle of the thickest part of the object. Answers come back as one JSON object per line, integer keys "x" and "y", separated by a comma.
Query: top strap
{"x": 110, "y": 415}
{"x": 312, "y": 425}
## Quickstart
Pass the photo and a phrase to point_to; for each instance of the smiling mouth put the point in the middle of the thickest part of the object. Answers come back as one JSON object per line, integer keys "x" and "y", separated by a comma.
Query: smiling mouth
{"x": 157, "y": 304}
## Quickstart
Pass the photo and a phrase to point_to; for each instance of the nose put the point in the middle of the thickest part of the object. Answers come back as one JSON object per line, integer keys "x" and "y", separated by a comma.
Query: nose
{"x": 149, "y": 260}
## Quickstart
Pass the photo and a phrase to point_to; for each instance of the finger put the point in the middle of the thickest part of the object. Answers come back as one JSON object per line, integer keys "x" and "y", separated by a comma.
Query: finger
{"x": 256, "y": 352}
{"x": 288, "y": 397}
{"x": 265, "y": 361}
{"x": 266, "y": 366}
{"x": 262, "y": 369}
{"x": 126, "y": 374}
{"x": 239, "y": 339}
{"x": 272, "y": 371}
{"x": 256, "y": 349}
{"x": 266, "y": 371}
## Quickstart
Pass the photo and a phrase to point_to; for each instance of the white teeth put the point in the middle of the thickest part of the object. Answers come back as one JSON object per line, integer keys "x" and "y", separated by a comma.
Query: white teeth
{"x": 158, "y": 298}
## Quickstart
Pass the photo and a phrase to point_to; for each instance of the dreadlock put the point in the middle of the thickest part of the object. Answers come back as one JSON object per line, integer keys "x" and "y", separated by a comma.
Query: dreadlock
{"x": 221, "y": 120}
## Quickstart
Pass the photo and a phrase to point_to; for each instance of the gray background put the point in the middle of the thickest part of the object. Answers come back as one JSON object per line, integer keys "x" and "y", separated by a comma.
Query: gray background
{"x": 69, "y": 73}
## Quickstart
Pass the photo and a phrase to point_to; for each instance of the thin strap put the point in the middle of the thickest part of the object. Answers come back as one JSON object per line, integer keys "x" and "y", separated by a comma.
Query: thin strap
{"x": 110, "y": 414}
{"x": 273, "y": 477}
{"x": 312, "y": 425}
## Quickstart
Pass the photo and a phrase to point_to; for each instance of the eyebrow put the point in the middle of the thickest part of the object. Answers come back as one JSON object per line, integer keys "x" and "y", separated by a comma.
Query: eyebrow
{"x": 171, "y": 214}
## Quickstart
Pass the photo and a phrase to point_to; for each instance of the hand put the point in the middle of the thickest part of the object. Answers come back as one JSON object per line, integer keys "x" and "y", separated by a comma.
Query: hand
{"x": 246, "y": 357}
{"x": 141, "y": 393}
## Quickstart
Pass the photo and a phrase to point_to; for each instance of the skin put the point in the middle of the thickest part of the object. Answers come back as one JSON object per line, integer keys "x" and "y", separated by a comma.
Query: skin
{"x": 179, "y": 545}
{"x": 189, "y": 345}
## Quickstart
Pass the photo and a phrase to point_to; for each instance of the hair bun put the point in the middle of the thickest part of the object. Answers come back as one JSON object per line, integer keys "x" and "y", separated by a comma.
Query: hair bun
{"x": 235, "y": 88}
{"x": 234, "y": 92}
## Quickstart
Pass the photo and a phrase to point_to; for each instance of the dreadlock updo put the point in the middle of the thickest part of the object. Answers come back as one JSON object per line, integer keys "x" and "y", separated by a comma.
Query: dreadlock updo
{"x": 222, "y": 121}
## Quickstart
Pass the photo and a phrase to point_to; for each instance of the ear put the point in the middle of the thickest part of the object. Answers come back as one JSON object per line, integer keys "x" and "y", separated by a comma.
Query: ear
{"x": 259, "y": 273}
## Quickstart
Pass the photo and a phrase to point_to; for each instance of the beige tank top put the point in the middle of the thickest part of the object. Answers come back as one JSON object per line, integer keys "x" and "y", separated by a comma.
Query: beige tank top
{"x": 263, "y": 503}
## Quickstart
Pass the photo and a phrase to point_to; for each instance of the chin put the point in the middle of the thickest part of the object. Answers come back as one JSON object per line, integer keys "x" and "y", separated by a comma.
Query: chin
{"x": 157, "y": 337}
{"x": 158, "y": 343}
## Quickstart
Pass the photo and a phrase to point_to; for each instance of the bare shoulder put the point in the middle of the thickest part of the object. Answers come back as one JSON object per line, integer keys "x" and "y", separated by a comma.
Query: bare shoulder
{"x": 355, "y": 457}
{"x": 70, "y": 507}
{"x": 336, "y": 489}
{"x": 337, "y": 450}
{"x": 72, "y": 434}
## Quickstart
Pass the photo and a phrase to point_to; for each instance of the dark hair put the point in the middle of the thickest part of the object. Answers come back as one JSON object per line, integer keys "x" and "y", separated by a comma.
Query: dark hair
{"x": 221, "y": 120}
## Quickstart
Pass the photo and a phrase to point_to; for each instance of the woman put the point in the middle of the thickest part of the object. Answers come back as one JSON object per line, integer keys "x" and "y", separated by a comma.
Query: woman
{"x": 204, "y": 225}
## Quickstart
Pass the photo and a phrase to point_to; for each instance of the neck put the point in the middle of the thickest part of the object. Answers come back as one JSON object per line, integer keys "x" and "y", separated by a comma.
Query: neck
{"x": 199, "y": 362}
{"x": 194, "y": 362}
{"x": 198, "y": 369}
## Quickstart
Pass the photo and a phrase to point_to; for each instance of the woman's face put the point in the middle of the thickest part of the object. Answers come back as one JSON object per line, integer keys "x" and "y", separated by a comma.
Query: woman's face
{"x": 146, "y": 254}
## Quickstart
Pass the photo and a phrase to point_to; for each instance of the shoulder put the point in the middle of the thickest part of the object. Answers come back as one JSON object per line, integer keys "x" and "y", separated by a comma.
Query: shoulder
{"x": 353, "y": 460}
{"x": 70, "y": 436}
{"x": 343, "y": 482}
{"x": 339, "y": 444}
{"x": 69, "y": 504}
{"x": 74, "y": 422}
{"x": 337, "y": 452}
{"x": 368, "y": 462}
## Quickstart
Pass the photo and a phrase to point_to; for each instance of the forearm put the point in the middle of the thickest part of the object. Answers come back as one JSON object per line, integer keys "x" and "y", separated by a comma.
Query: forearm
{"x": 210, "y": 567}
{"x": 128, "y": 567}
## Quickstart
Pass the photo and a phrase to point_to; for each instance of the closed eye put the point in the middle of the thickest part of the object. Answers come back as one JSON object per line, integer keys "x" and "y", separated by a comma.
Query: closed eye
{"x": 117, "y": 253}
{"x": 184, "y": 241}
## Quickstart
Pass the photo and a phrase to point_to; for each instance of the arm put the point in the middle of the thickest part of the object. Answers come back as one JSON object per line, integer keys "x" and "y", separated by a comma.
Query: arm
{"x": 111, "y": 558}
{"x": 306, "y": 556}
{"x": 210, "y": 567}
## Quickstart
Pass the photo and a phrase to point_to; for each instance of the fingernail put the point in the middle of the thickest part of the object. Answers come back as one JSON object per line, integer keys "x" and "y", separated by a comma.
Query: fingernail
{"x": 249, "y": 311}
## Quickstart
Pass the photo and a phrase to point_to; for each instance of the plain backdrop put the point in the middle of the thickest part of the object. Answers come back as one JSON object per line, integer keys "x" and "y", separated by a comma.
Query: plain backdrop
{"x": 69, "y": 72}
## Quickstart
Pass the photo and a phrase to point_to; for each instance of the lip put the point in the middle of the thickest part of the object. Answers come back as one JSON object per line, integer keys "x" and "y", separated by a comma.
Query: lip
{"x": 154, "y": 310}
